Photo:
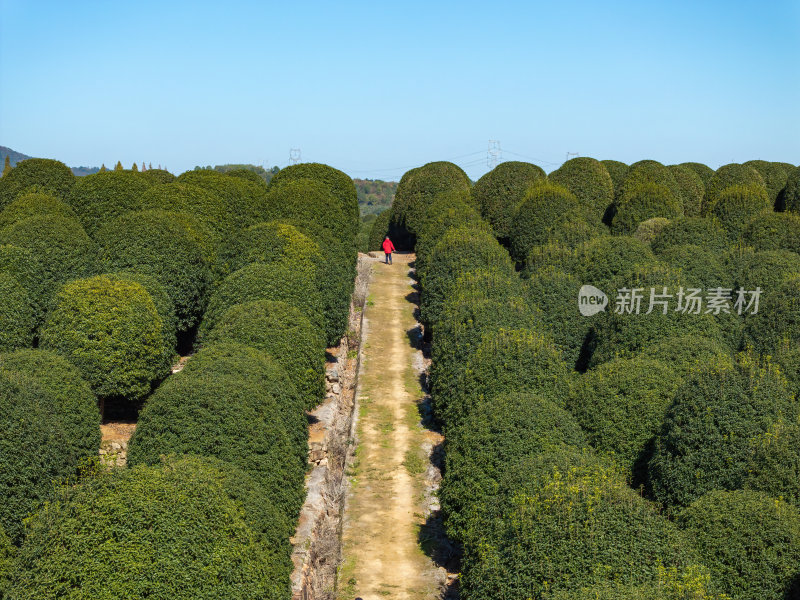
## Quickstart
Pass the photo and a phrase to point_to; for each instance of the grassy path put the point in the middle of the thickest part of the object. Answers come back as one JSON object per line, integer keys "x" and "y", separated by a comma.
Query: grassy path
{"x": 382, "y": 555}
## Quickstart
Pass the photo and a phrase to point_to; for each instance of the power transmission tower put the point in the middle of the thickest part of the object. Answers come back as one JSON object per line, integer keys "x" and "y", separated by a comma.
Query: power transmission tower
{"x": 493, "y": 154}
{"x": 294, "y": 155}
{"x": 573, "y": 154}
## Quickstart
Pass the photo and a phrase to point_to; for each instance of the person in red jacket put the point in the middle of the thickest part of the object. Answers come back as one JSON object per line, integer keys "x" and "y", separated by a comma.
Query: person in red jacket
{"x": 388, "y": 248}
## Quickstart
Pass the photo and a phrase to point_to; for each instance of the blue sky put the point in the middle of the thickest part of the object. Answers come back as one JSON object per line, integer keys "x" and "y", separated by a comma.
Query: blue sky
{"x": 375, "y": 88}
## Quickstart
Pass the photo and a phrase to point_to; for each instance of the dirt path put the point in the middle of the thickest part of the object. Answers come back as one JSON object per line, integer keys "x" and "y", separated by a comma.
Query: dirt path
{"x": 385, "y": 506}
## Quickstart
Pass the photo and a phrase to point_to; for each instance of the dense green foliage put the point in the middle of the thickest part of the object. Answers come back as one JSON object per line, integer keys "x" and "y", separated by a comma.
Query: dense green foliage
{"x": 157, "y": 176}
{"x": 738, "y": 204}
{"x": 235, "y": 403}
{"x": 7, "y": 561}
{"x": 650, "y": 172}
{"x": 704, "y": 172}
{"x": 244, "y": 200}
{"x": 500, "y": 191}
{"x": 643, "y": 201}
{"x": 774, "y": 175}
{"x": 161, "y": 244}
{"x": 700, "y": 267}
{"x": 617, "y": 170}
{"x": 707, "y": 438}
{"x": 378, "y": 231}
{"x": 38, "y": 445}
{"x": 418, "y": 187}
{"x": 773, "y": 231}
{"x": 32, "y": 204}
{"x": 649, "y": 229}
{"x": 691, "y": 188}
{"x": 102, "y": 197}
{"x": 704, "y": 232}
{"x": 29, "y": 273}
{"x": 111, "y": 330}
{"x": 589, "y": 181}
{"x": 364, "y": 230}
{"x": 767, "y": 270}
{"x": 791, "y": 193}
{"x": 749, "y": 541}
{"x": 491, "y": 439}
{"x": 204, "y": 205}
{"x": 685, "y": 353}
{"x": 727, "y": 176}
{"x": 168, "y": 531}
{"x": 604, "y": 260}
{"x": 49, "y": 176}
{"x": 776, "y": 326}
{"x": 285, "y": 334}
{"x": 374, "y": 196}
{"x": 17, "y": 315}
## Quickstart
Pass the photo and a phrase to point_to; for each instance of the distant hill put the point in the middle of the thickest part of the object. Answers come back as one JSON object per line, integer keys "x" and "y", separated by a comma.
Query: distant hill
{"x": 265, "y": 174}
{"x": 16, "y": 157}
{"x": 374, "y": 195}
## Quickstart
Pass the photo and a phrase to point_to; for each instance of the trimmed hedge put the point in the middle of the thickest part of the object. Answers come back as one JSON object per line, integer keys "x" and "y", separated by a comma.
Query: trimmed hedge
{"x": 158, "y": 176}
{"x": 641, "y": 202}
{"x": 110, "y": 329}
{"x": 248, "y": 175}
{"x": 364, "y": 230}
{"x": 418, "y": 188}
{"x": 285, "y": 334}
{"x": 704, "y": 232}
{"x": 707, "y": 438}
{"x": 492, "y": 438}
{"x": 737, "y": 205}
{"x": 617, "y": 170}
{"x": 603, "y": 260}
{"x": 647, "y": 230}
{"x": 686, "y": 353}
{"x": 773, "y": 231}
{"x": 545, "y": 211}
{"x": 379, "y": 230}
{"x": 653, "y": 172}
{"x": 774, "y": 175}
{"x": 459, "y": 251}
{"x": 749, "y": 541}
{"x": 284, "y": 280}
{"x": 339, "y": 184}
{"x": 703, "y": 171}
{"x": 100, "y": 198}
{"x": 48, "y": 176}
{"x": 164, "y": 246}
{"x": 552, "y": 255}
{"x": 37, "y": 447}
{"x": 20, "y": 264}
{"x": 727, "y": 176}
{"x": 169, "y": 531}
{"x": 768, "y": 270}
{"x": 589, "y": 181}
{"x": 700, "y": 267}
{"x": 72, "y": 399}
{"x": 508, "y": 360}
{"x": 577, "y": 528}
{"x": 500, "y": 191}
{"x": 691, "y": 189}
{"x": 8, "y": 554}
{"x": 244, "y": 200}
{"x": 234, "y": 403}
{"x": 204, "y": 205}
{"x": 33, "y": 204}
{"x": 692, "y": 582}
{"x": 17, "y": 315}
{"x": 791, "y": 193}
{"x": 776, "y": 326}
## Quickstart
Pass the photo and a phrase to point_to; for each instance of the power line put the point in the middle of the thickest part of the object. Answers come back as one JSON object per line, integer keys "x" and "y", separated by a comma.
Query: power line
{"x": 294, "y": 155}
{"x": 493, "y": 154}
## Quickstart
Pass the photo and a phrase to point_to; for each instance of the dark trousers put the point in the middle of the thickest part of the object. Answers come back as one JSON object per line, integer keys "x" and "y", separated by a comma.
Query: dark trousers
{"x": 388, "y": 258}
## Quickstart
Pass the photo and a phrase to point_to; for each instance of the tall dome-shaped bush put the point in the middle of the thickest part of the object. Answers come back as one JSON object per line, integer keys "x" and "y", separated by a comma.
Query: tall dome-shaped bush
{"x": 791, "y": 193}
{"x": 704, "y": 232}
{"x": 49, "y": 176}
{"x": 500, "y": 191}
{"x": 641, "y": 202}
{"x": 650, "y": 171}
{"x": 29, "y": 273}
{"x": 161, "y": 245}
{"x": 17, "y": 314}
{"x": 32, "y": 204}
{"x": 691, "y": 189}
{"x": 157, "y": 176}
{"x": 617, "y": 170}
{"x": 727, "y": 176}
{"x": 111, "y": 330}
{"x": 379, "y": 230}
{"x": 244, "y": 200}
{"x": 100, "y": 198}
{"x": 703, "y": 171}
{"x": 605, "y": 259}
{"x": 737, "y": 205}
{"x": 773, "y": 231}
{"x": 588, "y": 180}
{"x": 774, "y": 175}
{"x": 776, "y": 326}
{"x": 204, "y": 205}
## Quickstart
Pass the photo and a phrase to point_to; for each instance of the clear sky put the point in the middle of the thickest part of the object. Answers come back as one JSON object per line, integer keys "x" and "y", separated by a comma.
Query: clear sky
{"x": 375, "y": 88}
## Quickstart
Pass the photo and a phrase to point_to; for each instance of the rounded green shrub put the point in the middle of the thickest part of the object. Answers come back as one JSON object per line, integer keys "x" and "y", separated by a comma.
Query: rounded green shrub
{"x": 767, "y": 270}
{"x": 110, "y": 329}
{"x": 17, "y": 315}
{"x": 418, "y": 187}
{"x": 617, "y": 170}
{"x": 29, "y": 273}
{"x": 339, "y": 184}
{"x": 508, "y": 360}
{"x": 245, "y": 201}
{"x": 459, "y": 251}
{"x": 709, "y": 430}
{"x": 490, "y": 441}
{"x": 72, "y": 398}
{"x": 691, "y": 189}
{"x": 364, "y": 229}
{"x": 579, "y": 527}
{"x": 641, "y": 202}
{"x": 647, "y": 230}
{"x": 728, "y": 176}
{"x": 285, "y": 334}
{"x": 791, "y": 193}
{"x": 774, "y": 465}
{"x": 700, "y": 266}
{"x": 737, "y": 205}
{"x": 588, "y": 180}
{"x": 699, "y": 231}
{"x": 776, "y": 325}
{"x": 58, "y": 245}
{"x": 773, "y": 231}
{"x": 620, "y": 405}
{"x": 168, "y": 531}
{"x": 100, "y": 198}
{"x": 693, "y": 582}
{"x": 703, "y": 171}
{"x": 49, "y": 176}
{"x": 686, "y": 353}
{"x": 33, "y": 204}
{"x": 774, "y": 175}
{"x": 749, "y": 541}
{"x": 234, "y": 403}
{"x": 500, "y": 191}
{"x": 161, "y": 245}
{"x": 379, "y": 231}
{"x": 605, "y": 259}
{"x": 204, "y": 205}
{"x": 280, "y": 280}
{"x": 37, "y": 447}
{"x": 545, "y": 210}
{"x": 157, "y": 176}
{"x": 248, "y": 175}
{"x": 649, "y": 172}
{"x": 552, "y": 255}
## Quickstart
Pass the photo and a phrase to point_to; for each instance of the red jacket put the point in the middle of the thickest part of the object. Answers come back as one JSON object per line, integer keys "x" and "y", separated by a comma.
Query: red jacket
{"x": 388, "y": 246}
